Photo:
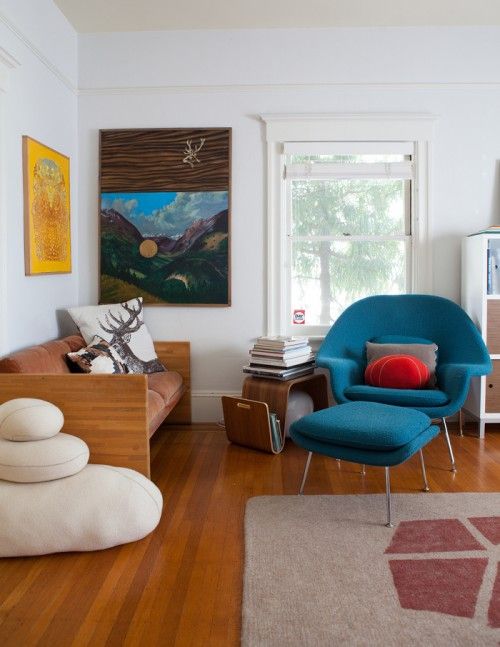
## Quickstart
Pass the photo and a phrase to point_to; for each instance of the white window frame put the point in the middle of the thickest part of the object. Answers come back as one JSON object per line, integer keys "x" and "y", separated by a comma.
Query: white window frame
{"x": 282, "y": 129}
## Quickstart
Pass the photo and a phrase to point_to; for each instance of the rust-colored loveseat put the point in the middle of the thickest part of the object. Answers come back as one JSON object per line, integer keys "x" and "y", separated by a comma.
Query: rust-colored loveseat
{"x": 115, "y": 414}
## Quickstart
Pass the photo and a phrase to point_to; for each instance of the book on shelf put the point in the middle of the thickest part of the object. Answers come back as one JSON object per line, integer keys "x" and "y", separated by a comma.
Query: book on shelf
{"x": 283, "y": 362}
{"x": 277, "y": 438}
{"x": 293, "y": 352}
{"x": 281, "y": 341}
{"x": 276, "y": 373}
{"x": 493, "y": 270}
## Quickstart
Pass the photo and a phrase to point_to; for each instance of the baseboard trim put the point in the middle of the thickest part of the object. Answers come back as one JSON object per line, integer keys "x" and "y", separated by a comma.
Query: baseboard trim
{"x": 206, "y": 404}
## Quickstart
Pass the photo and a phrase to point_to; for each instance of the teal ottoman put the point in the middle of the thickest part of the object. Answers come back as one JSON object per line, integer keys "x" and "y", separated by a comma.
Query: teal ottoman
{"x": 367, "y": 433}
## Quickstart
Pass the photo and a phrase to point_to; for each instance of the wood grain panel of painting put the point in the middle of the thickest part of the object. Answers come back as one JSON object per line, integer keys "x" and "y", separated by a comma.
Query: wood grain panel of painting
{"x": 108, "y": 412}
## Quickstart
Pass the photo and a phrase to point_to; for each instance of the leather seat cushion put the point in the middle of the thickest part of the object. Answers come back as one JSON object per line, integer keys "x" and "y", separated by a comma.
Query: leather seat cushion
{"x": 166, "y": 384}
{"x": 156, "y": 404}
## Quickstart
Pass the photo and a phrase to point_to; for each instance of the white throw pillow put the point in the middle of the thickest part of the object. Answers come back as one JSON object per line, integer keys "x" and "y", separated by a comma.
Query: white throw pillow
{"x": 29, "y": 419}
{"x": 97, "y": 508}
{"x": 122, "y": 326}
{"x": 42, "y": 460}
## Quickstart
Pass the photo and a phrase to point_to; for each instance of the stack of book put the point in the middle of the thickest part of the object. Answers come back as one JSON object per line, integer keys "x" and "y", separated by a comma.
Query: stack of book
{"x": 280, "y": 358}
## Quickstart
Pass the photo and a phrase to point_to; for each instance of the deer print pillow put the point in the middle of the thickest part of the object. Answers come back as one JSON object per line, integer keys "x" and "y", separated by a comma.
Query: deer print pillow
{"x": 122, "y": 326}
{"x": 97, "y": 357}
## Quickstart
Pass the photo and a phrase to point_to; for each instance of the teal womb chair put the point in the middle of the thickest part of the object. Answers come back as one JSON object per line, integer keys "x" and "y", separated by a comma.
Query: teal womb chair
{"x": 406, "y": 318}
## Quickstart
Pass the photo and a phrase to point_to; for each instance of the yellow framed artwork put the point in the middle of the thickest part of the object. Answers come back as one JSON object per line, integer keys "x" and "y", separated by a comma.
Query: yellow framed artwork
{"x": 47, "y": 232}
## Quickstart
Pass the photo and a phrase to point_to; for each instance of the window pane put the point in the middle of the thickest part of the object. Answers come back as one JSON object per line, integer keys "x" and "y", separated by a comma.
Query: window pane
{"x": 329, "y": 276}
{"x": 355, "y": 207}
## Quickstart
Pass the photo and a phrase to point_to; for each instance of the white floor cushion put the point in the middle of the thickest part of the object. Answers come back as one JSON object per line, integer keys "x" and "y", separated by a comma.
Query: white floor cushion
{"x": 97, "y": 508}
{"x": 29, "y": 419}
{"x": 42, "y": 460}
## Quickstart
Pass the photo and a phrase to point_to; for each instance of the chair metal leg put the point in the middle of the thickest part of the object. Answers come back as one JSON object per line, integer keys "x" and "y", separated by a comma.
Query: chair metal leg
{"x": 461, "y": 422}
{"x": 306, "y": 470}
{"x": 363, "y": 470}
{"x": 450, "y": 450}
{"x": 388, "y": 497}
{"x": 424, "y": 475}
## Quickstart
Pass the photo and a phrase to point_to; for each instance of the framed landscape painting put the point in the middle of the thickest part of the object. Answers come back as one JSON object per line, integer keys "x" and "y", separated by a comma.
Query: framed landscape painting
{"x": 47, "y": 233}
{"x": 165, "y": 216}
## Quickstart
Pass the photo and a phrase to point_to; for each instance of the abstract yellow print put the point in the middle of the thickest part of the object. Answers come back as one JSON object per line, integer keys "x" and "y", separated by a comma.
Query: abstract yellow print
{"x": 47, "y": 209}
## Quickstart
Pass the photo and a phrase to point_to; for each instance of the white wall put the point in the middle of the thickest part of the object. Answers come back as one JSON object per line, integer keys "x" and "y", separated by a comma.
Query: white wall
{"x": 40, "y": 101}
{"x": 214, "y": 78}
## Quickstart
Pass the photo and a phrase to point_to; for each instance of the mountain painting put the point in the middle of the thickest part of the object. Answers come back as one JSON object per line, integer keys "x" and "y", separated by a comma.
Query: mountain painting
{"x": 168, "y": 247}
{"x": 165, "y": 216}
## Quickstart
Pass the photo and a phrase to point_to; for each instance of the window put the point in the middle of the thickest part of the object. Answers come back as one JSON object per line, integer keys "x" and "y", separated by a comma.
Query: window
{"x": 346, "y": 221}
{"x": 348, "y": 226}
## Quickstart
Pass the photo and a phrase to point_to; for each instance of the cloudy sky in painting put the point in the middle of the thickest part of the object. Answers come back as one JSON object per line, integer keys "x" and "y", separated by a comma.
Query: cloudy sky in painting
{"x": 167, "y": 214}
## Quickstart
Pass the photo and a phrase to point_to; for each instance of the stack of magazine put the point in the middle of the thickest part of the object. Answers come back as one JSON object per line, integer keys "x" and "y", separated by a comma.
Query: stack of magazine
{"x": 280, "y": 358}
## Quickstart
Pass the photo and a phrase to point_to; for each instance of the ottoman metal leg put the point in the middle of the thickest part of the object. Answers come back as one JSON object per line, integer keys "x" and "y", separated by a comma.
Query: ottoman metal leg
{"x": 424, "y": 475}
{"x": 450, "y": 450}
{"x": 388, "y": 497}
{"x": 306, "y": 470}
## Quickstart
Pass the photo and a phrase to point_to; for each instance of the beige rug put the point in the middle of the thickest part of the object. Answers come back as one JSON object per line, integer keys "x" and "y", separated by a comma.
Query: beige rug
{"x": 324, "y": 570}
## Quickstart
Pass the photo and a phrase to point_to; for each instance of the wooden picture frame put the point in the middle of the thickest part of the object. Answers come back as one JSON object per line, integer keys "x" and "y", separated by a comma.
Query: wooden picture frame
{"x": 164, "y": 224}
{"x": 47, "y": 212}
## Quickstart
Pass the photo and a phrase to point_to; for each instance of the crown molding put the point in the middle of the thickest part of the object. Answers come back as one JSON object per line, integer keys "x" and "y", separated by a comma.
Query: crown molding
{"x": 264, "y": 87}
{"x": 7, "y": 60}
{"x": 12, "y": 62}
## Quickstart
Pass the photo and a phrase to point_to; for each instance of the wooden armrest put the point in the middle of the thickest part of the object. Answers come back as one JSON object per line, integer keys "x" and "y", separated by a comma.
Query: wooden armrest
{"x": 108, "y": 412}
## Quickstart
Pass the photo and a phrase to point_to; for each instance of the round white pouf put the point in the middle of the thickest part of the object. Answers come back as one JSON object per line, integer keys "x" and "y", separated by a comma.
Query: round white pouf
{"x": 300, "y": 404}
{"x": 29, "y": 419}
{"x": 42, "y": 460}
{"x": 97, "y": 508}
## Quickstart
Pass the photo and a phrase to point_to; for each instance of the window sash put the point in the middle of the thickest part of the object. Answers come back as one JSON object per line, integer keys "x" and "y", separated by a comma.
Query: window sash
{"x": 319, "y": 330}
{"x": 348, "y": 148}
{"x": 345, "y": 171}
{"x": 346, "y": 238}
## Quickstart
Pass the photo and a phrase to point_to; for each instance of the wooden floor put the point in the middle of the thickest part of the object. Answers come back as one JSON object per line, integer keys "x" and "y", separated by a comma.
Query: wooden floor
{"x": 182, "y": 584}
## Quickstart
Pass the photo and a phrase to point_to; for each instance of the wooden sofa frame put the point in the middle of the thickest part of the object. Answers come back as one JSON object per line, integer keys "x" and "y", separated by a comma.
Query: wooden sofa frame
{"x": 108, "y": 412}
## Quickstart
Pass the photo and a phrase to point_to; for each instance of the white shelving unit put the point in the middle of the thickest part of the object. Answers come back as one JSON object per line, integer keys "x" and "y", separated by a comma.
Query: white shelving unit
{"x": 481, "y": 300}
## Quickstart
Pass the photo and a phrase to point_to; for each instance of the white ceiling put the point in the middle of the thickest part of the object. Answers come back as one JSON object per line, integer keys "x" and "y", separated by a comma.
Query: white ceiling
{"x": 151, "y": 15}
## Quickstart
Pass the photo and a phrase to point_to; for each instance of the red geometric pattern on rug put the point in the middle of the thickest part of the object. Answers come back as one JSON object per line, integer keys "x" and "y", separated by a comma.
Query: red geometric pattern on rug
{"x": 494, "y": 608}
{"x": 448, "y": 586}
{"x": 489, "y": 527}
{"x": 432, "y": 536}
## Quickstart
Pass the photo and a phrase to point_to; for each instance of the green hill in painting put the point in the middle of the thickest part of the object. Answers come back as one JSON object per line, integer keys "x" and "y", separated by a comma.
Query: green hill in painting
{"x": 191, "y": 269}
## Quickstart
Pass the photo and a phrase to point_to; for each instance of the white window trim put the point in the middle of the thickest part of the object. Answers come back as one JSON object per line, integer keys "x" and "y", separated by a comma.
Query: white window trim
{"x": 378, "y": 127}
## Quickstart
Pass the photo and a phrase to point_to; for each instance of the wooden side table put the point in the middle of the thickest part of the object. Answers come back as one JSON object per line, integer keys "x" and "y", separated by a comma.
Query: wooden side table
{"x": 276, "y": 393}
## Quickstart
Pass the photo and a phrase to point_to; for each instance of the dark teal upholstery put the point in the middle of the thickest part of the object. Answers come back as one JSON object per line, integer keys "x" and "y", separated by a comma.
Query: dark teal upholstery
{"x": 364, "y": 432}
{"x": 461, "y": 350}
{"x": 416, "y": 398}
{"x": 368, "y": 425}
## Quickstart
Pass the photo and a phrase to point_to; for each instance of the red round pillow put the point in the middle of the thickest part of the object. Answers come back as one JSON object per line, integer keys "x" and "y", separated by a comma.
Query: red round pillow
{"x": 397, "y": 372}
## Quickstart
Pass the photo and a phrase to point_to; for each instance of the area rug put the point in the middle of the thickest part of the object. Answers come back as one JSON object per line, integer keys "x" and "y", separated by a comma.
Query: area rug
{"x": 324, "y": 570}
